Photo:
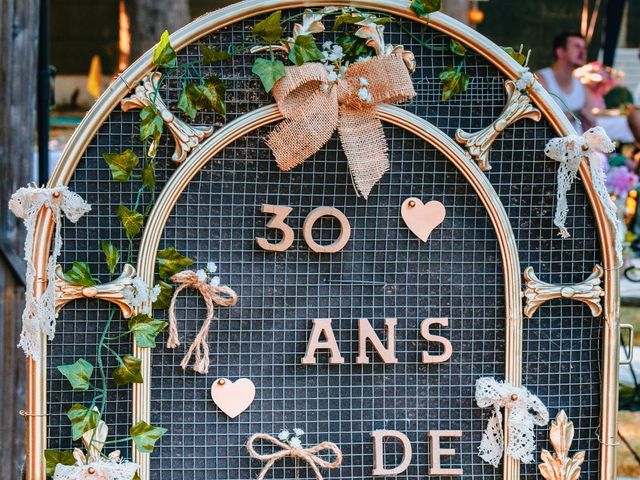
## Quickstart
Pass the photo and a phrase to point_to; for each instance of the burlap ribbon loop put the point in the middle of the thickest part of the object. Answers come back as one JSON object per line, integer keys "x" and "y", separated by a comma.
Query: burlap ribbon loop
{"x": 313, "y": 114}
{"x": 306, "y": 454}
{"x": 219, "y": 295}
{"x": 524, "y": 410}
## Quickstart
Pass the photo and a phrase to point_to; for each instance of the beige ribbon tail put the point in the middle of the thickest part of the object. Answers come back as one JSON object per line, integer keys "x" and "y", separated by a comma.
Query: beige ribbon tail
{"x": 365, "y": 147}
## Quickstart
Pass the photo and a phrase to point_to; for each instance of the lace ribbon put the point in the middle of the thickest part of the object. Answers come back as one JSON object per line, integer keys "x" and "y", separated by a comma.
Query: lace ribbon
{"x": 220, "y": 295}
{"x": 570, "y": 151}
{"x": 39, "y": 313}
{"x": 520, "y": 421}
{"x": 306, "y": 454}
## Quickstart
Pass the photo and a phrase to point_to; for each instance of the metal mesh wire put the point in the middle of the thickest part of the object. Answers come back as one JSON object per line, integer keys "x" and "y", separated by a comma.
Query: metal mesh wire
{"x": 383, "y": 272}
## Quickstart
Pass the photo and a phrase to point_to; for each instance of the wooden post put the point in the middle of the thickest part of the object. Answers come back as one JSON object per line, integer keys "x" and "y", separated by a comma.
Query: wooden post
{"x": 19, "y": 21}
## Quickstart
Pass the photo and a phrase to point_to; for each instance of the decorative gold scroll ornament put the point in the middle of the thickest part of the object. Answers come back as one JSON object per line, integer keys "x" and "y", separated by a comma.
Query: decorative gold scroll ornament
{"x": 293, "y": 448}
{"x": 186, "y": 136}
{"x": 588, "y": 291}
{"x": 517, "y": 107}
{"x": 559, "y": 466}
{"x": 122, "y": 291}
{"x": 315, "y": 99}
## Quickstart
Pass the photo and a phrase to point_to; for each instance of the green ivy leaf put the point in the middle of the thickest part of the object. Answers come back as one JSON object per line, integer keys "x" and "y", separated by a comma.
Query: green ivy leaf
{"x": 82, "y": 420}
{"x": 208, "y": 96}
{"x": 171, "y": 261}
{"x": 145, "y": 436}
{"x": 55, "y": 457}
{"x": 422, "y": 8}
{"x": 269, "y": 71}
{"x": 80, "y": 275}
{"x": 78, "y": 373}
{"x": 111, "y": 255}
{"x": 145, "y": 329}
{"x": 151, "y": 124}
{"x": 149, "y": 176}
{"x": 454, "y": 81}
{"x": 211, "y": 55}
{"x": 346, "y": 18}
{"x": 128, "y": 371}
{"x": 269, "y": 29}
{"x": 131, "y": 221}
{"x": 164, "y": 55}
{"x": 164, "y": 297}
{"x": 457, "y": 47}
{"x": 304, "y": 50}
{"x": 353, "y": 47}
{"x": 121, "y": 164}
{"x": 519, "y": 57}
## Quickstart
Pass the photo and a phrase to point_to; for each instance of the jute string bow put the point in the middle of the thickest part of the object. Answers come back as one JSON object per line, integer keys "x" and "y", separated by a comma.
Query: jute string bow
{"x": 312, "y": 115}
{"x": 570, "y": 151}
{"x": 520, "y": 442}
{"x": 39, "y": 313}
{"x": 219, "y": 295}
{"x": 306, "y": 454}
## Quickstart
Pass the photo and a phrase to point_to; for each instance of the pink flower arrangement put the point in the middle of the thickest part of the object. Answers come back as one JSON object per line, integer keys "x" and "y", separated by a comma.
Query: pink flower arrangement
{"x": 621, "y": 180}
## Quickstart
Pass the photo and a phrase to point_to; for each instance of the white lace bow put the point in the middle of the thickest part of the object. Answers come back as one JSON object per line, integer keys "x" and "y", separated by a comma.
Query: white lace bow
{"x": 39, "y": 314}
{"x": 570, "y": 151}
{"x": 520, "y": 421}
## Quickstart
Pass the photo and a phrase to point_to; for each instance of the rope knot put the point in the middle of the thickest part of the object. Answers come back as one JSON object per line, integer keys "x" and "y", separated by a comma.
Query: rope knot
{"x": 306, "y": 454}
{"x": 212, "y": 293}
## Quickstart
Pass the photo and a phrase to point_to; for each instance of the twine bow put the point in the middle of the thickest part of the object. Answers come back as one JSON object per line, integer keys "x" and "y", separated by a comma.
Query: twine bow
{"x": 220, "y": 295}
{"x": 519, "y": 401}
{"x": 569, "y": 151}
{"x": 313, "y": 114}
{"x": 306, "y": 454}
{"x": 39, "y": 313}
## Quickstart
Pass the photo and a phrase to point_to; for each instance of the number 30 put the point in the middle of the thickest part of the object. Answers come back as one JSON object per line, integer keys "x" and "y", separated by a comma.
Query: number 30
{"x": 278, "y": 222}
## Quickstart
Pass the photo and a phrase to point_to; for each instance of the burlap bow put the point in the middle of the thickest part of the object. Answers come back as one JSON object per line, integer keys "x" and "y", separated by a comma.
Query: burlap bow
{"x": 39, "y": 313}
{"x": 519, "y": 402}
{"x": 306, "y": 454}
{"x": 312, "y": 115}
{"x": 569, "y": 151}
{"x": 220, "y": 295}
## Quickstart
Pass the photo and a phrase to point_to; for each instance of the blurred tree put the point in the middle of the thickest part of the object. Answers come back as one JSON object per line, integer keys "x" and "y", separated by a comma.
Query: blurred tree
{"x": 149, "y": 18}
{"x": 457, "y": 9}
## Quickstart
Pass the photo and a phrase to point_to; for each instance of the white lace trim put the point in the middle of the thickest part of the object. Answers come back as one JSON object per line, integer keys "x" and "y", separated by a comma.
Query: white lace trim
{"x": 39, "y": 313}
{"x": 103, "y": 469}
{"x": 570, "y": 151}
{"x": 521, "y": 443}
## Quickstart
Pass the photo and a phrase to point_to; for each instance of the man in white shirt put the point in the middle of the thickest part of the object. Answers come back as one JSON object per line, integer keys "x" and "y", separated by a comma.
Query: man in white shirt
{"x": 570, "y": 52}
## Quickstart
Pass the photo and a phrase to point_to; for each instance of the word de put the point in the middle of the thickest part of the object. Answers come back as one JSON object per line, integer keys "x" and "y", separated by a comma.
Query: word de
{"x": 366, "y": 333}
{"x": 278, "y": 222}
{"x": 436, "y": 453}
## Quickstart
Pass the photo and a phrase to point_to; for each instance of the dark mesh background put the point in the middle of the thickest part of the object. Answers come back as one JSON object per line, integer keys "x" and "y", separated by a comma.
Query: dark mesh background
{"x": 383, "y": 272}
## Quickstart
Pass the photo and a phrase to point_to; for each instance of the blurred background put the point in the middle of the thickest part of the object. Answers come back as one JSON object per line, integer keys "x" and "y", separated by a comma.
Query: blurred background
{"x": 58, "y": 56}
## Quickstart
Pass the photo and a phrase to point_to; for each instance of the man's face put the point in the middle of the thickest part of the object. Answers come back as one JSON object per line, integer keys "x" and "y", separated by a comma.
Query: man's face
{"x": 575, "y": 53}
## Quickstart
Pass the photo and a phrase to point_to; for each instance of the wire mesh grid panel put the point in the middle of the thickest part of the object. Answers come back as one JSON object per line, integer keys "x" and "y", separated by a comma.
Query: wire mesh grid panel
{"x": 383, "y": 272}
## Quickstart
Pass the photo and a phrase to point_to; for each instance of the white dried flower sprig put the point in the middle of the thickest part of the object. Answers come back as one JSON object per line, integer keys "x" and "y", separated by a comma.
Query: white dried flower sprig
{"x": 206, "y": 274}
{"x": 291, "y": 438}
{"x": 525, "y": 82}
{"x": 140, "y": 295}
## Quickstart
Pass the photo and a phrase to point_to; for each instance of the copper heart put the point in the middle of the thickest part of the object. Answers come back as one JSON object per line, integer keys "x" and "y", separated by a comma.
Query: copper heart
{"x": 422, "y": 218}
{"x": 233, "y": 398}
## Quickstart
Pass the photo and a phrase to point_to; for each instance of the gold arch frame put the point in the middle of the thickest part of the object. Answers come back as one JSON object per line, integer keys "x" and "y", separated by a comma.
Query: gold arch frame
{"x": 35, "y": 430}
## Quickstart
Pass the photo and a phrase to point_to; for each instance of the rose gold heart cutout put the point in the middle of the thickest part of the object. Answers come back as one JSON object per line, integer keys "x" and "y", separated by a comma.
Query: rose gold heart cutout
{"x": 422, "y": 218}
{"x": 233, "y": 398}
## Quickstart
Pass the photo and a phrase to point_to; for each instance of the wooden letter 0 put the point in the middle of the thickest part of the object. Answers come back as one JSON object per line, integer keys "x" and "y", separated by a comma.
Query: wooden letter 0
{"x": 277, "y": 222}
{"x": 312, "y": 218}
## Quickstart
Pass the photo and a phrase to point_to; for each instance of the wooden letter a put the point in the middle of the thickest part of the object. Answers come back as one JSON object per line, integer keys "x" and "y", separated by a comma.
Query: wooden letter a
{"x": 320, "y": 326}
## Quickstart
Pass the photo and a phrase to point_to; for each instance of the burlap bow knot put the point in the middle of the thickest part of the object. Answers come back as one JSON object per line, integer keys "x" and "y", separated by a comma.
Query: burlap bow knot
{"x": 306, "y": 454}
{"x": 519, "y": 402}
{"x": 313, "y": 114}
{"x": 218, "y": 295}
{"x": 569, "y": 151}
